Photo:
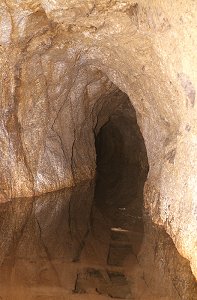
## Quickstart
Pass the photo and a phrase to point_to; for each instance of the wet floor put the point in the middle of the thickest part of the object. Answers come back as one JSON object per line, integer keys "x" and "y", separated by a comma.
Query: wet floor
{"x": 68, "y": 245}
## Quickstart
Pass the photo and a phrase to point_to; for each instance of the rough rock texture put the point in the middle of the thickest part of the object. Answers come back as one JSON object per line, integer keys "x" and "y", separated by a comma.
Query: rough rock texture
{"x": 164, "y": 265}
{"x": 57, "y": 58}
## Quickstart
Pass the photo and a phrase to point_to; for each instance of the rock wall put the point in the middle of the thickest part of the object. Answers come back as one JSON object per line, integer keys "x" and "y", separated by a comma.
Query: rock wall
{"x": 57, "y": 58}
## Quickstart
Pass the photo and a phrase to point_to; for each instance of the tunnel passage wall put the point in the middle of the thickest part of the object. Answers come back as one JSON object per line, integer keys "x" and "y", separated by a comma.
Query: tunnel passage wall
{"x": 147, "y": 48}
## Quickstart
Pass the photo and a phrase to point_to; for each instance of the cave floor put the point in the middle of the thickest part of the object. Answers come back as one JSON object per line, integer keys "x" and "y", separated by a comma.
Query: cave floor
{"x": 62, "y": 247}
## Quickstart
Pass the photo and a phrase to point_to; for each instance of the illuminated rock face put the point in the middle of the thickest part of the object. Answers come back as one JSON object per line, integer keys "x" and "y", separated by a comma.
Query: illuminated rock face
{"x": 60, "y": 59}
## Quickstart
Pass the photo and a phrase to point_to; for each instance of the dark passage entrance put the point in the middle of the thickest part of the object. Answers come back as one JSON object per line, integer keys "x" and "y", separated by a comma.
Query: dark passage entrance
{"x": 122, "y": 163}
{"x": 122, "y": 167}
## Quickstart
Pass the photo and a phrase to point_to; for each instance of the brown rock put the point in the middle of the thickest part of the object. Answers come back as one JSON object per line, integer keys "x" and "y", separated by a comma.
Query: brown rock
{"x": 59, "y": 58}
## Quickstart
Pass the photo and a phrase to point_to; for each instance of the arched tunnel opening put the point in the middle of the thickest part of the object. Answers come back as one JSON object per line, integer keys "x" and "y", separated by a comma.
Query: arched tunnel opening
{"x": 83, "y": 229}
{"x": 121, "y": 171}
{"x": 121, "y": 158}
{"x": 95, "y": 239}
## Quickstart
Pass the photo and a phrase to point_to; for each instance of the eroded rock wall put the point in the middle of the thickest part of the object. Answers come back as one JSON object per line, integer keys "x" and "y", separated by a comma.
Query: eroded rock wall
{"x": 54, "y": 55}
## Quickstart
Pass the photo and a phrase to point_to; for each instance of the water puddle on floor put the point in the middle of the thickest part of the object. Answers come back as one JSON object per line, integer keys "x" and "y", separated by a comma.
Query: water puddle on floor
{"x": 63, "y": 246}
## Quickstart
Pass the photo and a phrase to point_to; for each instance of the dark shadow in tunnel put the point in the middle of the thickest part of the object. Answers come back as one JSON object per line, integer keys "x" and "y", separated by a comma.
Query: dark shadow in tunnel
{"x": 121, "y": 157}
{"x": 122, "y": 167}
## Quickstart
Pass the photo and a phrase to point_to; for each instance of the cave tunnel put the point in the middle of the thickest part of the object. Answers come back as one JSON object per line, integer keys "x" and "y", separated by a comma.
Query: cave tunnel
{"x": 121, "y": 171}
{"x": 95, "y": 239}
{"x": 98, "y": 142}
{"x": 121, "y": 158}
